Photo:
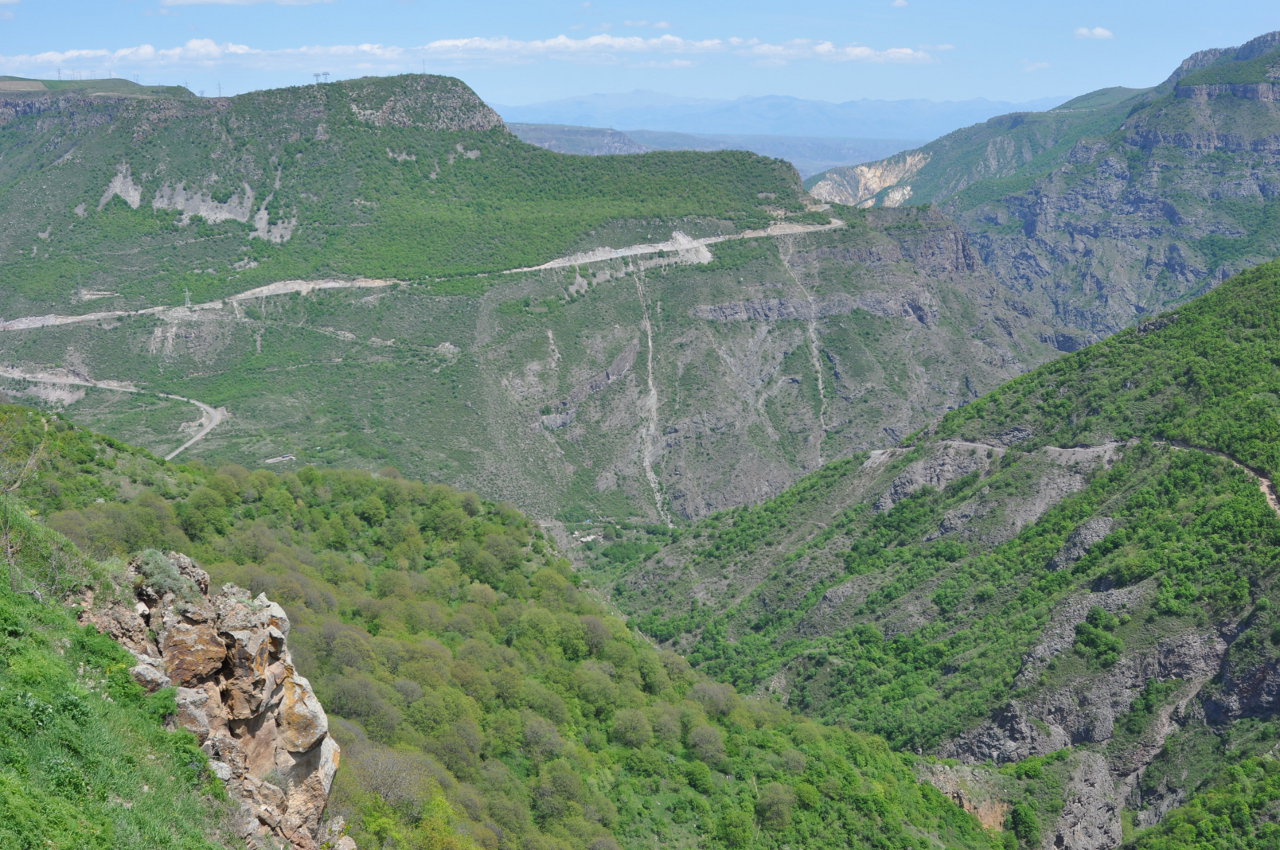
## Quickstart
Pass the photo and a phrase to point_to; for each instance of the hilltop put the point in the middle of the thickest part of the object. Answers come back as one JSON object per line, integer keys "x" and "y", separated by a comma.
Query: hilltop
{"x": 410, "y": 177}
{"x": 376, "y": 272}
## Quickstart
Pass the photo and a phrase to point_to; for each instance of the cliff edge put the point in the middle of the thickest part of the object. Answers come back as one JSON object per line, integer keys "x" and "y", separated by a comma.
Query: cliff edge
{"x": 260, "y": 722}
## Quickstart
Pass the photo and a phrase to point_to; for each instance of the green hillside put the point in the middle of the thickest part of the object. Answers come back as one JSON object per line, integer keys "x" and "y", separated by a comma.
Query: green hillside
{"x": 85, "y": 760}
{"x": 1086, "y": 529}
{"x": 324, "y": 262}
{"x": 532, "y": 387}
{"x": 408, "y": 177}
{"x": 481, "y": 694}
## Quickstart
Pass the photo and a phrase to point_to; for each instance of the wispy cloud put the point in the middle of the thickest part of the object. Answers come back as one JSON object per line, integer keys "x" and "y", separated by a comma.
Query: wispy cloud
{"x": 668, "y": 63}
{"x": 899, "y": 3}
{"x": 1094, "y": 32}
{"x": 1029, "y": 67}
{"x": 664, "y": 50}
{"x": 195, "y": 51}
{"x": 562, "y": 46}
{"x": 803, "y": 48}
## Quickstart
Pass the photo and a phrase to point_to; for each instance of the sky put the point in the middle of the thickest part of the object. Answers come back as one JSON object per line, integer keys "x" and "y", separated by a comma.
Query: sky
{"x": 527, "y": 51}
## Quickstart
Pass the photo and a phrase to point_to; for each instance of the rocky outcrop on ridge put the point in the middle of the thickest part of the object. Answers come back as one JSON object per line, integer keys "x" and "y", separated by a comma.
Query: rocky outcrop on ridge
{"x": 265, "y": 732}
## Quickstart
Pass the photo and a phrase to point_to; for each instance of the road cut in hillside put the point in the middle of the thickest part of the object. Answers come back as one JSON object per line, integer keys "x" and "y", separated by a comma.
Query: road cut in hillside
{"x": 210, "y": 417}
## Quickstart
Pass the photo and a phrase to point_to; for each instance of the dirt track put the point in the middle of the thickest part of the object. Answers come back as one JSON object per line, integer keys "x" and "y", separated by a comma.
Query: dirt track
{"x": 690, "y": 250}
{"x": 210, "y": 416}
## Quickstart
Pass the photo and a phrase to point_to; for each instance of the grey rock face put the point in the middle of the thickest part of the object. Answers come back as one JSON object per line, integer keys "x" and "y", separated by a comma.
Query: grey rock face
{"x": 266, "y": 734}
{"x": 954, "y": 460}
{"x": 1085, "y": 712}
{"x": 1091, "y": 817}
{"x": 1090, "y": 533}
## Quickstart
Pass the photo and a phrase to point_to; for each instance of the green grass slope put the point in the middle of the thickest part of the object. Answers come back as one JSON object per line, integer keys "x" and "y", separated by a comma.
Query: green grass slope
{"x": 85, "y": 760}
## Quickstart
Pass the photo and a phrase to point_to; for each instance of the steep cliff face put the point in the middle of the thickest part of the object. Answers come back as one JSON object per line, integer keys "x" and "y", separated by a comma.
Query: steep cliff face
{"x": 565, "y": 389}
{"x": 259, "y": 721}
{"x": 859, "y": 185}
{"x": 1116, "y": 204}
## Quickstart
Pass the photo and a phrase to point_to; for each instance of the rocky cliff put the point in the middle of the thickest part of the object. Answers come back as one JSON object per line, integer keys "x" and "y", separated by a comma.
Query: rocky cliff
{"x": 1117, "y": 204}
{"x": 266, "y": 734}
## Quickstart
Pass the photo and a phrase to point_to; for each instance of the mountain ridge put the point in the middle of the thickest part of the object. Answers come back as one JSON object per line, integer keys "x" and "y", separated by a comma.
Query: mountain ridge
{"x": 504, "y": 342}
{"x": 766, "y": 115}
{"x": 1109, "y": 213}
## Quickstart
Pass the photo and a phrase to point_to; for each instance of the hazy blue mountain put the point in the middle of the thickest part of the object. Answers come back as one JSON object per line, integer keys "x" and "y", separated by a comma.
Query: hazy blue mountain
{"x": 772, "y": 115}
{"x": 809, "y": 154}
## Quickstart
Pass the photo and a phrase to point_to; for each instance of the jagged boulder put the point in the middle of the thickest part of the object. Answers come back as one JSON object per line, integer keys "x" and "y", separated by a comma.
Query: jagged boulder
{"x": 265, "y": 731}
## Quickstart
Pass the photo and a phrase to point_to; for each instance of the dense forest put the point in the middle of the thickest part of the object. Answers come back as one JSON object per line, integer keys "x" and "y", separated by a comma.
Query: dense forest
{"x": 483, "y": 697}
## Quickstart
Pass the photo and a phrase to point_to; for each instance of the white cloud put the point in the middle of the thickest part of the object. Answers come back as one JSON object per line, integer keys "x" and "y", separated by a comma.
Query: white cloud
{"x": 1029, "y": 67}
{"x": 9, "y": 2}
{"x": 563, "y": 46}
{"x": 196, "y": 51}
{"x": 899, "y": 3}
{"x": 803, "y": 48}
{"x": 669, "y": 63}
{"x": 664, "y": 50}
{"x": 1094, "y": 32}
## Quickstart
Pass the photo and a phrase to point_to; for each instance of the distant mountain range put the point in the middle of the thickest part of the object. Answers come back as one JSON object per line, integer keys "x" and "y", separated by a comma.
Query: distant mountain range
{"x": 809, "y": 154}
{"x": 772, "y": 115}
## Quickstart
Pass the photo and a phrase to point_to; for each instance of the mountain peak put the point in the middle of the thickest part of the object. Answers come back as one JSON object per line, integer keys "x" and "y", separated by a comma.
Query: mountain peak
{"x": 1250, "y": 50}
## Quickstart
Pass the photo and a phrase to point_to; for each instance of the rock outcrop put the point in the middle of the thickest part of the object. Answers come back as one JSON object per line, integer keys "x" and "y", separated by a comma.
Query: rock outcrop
{"x": 261, "y": 724}
{"x": 858, "y": 186}
{"x": 980, "y": 791}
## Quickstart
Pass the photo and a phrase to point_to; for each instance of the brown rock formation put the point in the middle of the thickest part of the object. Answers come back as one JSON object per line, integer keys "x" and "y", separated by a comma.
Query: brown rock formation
{"x": 266, "y": 734}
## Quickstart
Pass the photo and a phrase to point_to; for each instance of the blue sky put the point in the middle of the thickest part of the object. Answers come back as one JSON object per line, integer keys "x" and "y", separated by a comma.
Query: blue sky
{"x": 522, "y": 52}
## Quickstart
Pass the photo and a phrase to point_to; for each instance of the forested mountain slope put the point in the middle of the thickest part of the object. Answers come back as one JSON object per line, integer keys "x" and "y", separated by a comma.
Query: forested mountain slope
{"x": 408, "y": 177}
{"x": 625, "y": 387}
{"x": 1117, "y": 204}
{"x": 481, "y": 695}
{"x": 1080, "y": 566}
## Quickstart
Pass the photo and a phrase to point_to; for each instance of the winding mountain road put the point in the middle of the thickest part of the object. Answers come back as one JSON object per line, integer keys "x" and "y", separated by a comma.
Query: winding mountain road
{"x": 690, "y": 250}
{"x": 1265, "y": 484}
{"x": 679, "y": 243}
{"x": 210, "y": 417}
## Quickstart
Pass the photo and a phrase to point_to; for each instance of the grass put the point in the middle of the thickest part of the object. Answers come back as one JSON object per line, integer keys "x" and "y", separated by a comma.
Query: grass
{"x": 85, "y": 761}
